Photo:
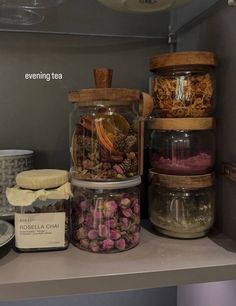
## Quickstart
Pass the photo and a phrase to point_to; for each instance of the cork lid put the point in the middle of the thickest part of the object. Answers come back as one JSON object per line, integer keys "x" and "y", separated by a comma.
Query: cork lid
{"x": 103, "y": 90}
{"x": 174, "y": 124}
{"x": 182, "y": 59}
{"x": 42, "y": 179}
{"x": 182, "y": 182}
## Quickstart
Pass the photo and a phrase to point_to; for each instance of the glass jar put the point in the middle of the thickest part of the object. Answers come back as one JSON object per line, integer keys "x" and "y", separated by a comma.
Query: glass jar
{"x": 182, "y": 146}
{"x": 41, "y": 202}
{"x": 182, "y": 206}
{"x": 183, "y": 84}
{"x": 106, "y": 132}
{"x": 106, "y": 216}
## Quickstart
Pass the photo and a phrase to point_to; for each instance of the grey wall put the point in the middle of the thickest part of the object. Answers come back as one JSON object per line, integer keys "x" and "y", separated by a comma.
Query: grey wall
{"x": 217, "y": 33}
{"x": 34, "y": 114}
{"x": 154, "y": 297}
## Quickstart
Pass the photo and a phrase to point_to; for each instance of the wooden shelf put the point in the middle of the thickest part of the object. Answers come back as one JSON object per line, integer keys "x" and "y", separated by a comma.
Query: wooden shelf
{"x": 156, "y": 262}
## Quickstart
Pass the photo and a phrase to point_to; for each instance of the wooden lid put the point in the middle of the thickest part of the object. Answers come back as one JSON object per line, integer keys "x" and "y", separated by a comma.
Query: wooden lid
{"x": 183, "y": 59}
{"x": 103, "y": 92}
{"x": 182, "y": 182}
{"x": 174, "y": 124}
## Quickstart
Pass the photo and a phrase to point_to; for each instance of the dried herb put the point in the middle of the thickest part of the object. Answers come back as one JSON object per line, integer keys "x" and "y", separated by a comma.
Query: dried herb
{"x": 104, "y": 147}
{"x": 183, "y": 96}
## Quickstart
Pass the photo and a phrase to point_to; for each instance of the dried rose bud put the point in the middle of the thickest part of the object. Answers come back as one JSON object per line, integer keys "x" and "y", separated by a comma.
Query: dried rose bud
{"x": 93, "y": 234}
{"x": 136, "y": 208}
{"x": 88, "y": 221}
{"x": 80, "y": 220}
{"x": 127, "y": 212}
{"x": 124, "y": 223}
{"x": 118, "y": 169}
{"x": 94, "y": 246}
{"x": 111, "y": 223}
{"x": 83, "y": 205}
{"x": 131, "y": 155}
{"x": 120, "y": 244}
{"x": 81, "y": 233}
{"x": 108, "y": 244}
{"x": 109, "y": 208}
{"x": 115, "y": 235}
{"x": 133, "y": 229}
{"x": 135, "y": 238}
{"x": 103, "y": 230}
{"x": 97, "y": 215}
{"x": 84, "y": 243}
{"x": 125, "y": 202}
{"x": 136, "y": 219}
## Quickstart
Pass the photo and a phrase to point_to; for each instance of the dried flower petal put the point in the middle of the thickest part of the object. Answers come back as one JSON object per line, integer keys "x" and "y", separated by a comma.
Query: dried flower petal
{"x": 108, "y": 244}
{"x": 120, "y": 244}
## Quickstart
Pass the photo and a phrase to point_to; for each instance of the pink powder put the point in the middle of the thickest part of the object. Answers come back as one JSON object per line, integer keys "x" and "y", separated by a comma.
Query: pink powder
{"x": 198, "y": 164}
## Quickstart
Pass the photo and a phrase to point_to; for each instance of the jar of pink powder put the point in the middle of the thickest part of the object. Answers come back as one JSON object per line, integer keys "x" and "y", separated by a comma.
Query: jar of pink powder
{"x": 182, "y": 146}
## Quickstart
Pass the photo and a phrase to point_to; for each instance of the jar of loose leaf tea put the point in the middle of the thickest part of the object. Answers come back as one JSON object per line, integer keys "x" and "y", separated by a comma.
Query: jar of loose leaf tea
{"x": 106, "y": 215}
{"x": 106, "y": 130}
{"x": 182, "y": 146}
{"x": 182, "y": 206}
{"x": 41, "y": 202}
{"x": 183, "y": 84}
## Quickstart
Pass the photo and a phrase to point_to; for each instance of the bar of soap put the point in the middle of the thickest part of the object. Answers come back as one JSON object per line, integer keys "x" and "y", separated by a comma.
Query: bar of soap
{"x": 42, "y": 179}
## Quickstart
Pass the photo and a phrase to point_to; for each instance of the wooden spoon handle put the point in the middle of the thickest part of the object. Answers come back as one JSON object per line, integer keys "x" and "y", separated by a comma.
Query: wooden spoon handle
{"x": 146, "y": 105}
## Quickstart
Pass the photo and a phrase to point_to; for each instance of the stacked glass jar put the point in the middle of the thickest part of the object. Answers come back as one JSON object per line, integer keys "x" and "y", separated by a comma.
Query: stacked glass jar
{"x": 182, "y": 144}
{"x": 106, "y": 164}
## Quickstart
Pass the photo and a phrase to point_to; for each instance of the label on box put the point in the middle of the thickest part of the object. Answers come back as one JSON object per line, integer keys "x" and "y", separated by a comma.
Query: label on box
{"x": 45, "y": 230}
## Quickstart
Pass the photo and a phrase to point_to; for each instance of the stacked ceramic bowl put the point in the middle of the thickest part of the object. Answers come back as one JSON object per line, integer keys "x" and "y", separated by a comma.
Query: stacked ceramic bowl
{"x": 182, "y": 144}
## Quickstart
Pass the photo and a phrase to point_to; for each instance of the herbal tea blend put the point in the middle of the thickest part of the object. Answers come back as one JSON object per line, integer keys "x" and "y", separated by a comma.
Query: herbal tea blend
{"x": 106, "y": 129}
{"x": 182, "y": 206}
{"x": 183, "y": 84}
{"x": 105, "y": 146}
{"x": 182, "y": 146}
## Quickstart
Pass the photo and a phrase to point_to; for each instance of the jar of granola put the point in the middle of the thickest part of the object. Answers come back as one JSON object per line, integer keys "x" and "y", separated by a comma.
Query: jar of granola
{"x": 106, "y": 215}
{"x": 182, "y": 146}
{"x": 106, "y": 130}
{"x": 183, "y": 84}
{"x": 182, "y": 206}
{"x": 41, "y": 202}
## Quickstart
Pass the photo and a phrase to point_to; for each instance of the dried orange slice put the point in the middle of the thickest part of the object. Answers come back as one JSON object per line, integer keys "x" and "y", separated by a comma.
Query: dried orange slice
{"x": 108, "y": 126}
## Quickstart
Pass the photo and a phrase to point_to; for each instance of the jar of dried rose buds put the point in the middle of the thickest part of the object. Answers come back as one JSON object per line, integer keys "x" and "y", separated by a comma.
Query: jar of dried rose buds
{"x": 183, "y": 84}
{"x": 182, "y": 146}
{"x": 106, "y": 216}
{"x": 106, "y": 130}
{"x": 182, "y": 206}
{"x": 41, "y": 202}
